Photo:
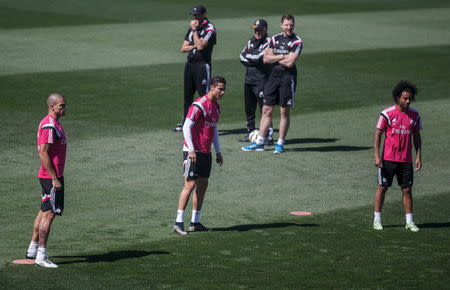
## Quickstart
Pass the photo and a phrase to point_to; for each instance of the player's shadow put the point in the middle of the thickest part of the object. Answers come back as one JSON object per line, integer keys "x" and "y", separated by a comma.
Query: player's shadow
{"x": 243, "y": 228}
{"x": 339, "y": 148}
{"x": 232, "y": 131}
{"x": 434, "y": 225}
{"x": 422, "y": 226}
{"x": 310, "y": 140}
{"x": 109, "y": 257}
{"x": 236, "y": 131}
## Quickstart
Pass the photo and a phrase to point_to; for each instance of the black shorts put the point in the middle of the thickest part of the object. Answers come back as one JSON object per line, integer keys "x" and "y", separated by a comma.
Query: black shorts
{"x": 280, "y": 90}
{"x": 52, "y": 199}
{"x": 403, "y": 171}
{"x": 201, "y": 168}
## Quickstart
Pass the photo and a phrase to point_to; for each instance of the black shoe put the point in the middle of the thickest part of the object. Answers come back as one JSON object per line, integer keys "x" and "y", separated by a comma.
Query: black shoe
{"x": 178, "y": 128}
{"x": 245, "y": 139}
{"x": 197, "y": 227}
{"x": 268, "y": 142}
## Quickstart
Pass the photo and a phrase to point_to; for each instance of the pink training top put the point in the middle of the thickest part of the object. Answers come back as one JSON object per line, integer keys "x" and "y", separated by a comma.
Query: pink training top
{"x": 205, "y": 114}
{"x": 399, "y": 128}
{"x": 50, "y": 131}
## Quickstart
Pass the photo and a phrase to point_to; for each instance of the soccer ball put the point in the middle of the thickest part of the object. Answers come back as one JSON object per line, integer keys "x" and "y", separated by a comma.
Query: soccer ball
{"x": 253, "y": 135}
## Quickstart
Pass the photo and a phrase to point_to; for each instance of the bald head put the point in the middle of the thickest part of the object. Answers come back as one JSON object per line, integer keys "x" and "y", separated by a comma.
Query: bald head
{"x": 54, "y": 98}
{"x": 56, "y": 105}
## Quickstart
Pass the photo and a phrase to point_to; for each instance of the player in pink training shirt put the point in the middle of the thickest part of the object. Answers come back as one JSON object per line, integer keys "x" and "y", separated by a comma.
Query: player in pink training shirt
{"x": 200, "y": 131}
{"x": 401, "y": 125}
{"x": 52, "y": 144}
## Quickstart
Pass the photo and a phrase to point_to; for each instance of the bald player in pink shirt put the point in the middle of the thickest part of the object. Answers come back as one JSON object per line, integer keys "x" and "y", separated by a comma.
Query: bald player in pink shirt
{"x": 51, "y": 144}
{"x": 200, "y": 132}
{"x": 401, "y": 125}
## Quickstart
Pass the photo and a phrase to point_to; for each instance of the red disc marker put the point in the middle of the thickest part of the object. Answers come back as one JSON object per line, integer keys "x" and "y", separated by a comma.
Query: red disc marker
{"x": 23, "y": 262}
{"x": 301, "y": 213}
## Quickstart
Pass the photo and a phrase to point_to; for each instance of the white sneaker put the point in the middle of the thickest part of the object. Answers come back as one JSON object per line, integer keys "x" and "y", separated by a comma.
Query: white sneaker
{"x": 412, "y": 227}
{"x": 45, "y": 262}
{"x": 377, "y": 225}
{"x": 179, "y": 229}
{"x": 31, "y": 255}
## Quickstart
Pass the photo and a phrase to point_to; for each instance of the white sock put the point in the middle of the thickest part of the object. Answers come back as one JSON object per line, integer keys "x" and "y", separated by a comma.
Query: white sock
{"x": 41, "y": 253}
{"x": 280, "y": 142}
{"x": 409, "y": 218}
{"x": 377, "y": 216}
{"x": 180, "y": 215}
{"x": 32, "y": 248}
{"x": 195, "y": 216}
{"x": 260, "y": 140}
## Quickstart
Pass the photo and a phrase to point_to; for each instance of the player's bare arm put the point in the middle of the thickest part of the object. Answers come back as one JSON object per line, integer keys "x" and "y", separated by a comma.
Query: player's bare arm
{"x": 289, "y": 60}
{"x": 417, "y": 139}
{"x": 376, "y": 147}
{"x": 270, "y": 57}
{"x": 45, "y": 159}
{"x": 187, "y": 46}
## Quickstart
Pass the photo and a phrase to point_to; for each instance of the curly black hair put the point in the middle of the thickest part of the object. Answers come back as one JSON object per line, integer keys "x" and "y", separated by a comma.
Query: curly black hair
{"x": 404, "y": 86}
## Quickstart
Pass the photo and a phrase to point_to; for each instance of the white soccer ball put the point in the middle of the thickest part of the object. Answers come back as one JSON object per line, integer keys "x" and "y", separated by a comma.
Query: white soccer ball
{"x": 253, "y": 135}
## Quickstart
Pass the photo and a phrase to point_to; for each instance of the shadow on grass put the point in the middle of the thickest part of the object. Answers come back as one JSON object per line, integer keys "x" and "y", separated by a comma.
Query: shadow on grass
{"x": 423, "y": 226}
{"x": 236, "y": 131}
{"x": 242, "y": 228}
{"x": 434, "y": 225}
{"x": 329, "y": 149}
{"x": 110, "y": 257}
{"x": 310, "y": 140}
{"x": 232, "y": 131}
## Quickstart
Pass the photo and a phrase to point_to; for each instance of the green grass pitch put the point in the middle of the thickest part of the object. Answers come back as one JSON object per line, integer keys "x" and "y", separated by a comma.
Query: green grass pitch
{"x": 118, "y": 63}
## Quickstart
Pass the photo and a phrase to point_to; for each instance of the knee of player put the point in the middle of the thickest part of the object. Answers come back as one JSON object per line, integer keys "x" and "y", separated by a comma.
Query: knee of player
{"x": 407, "y": 190}
{"x": 48, "y": 215}
{"x": 203, "y": 181}
{"x": 189, "y": 184}
{"x": 284, "y": 113}
{"x": 267, "y": 111}
{"x": 382, "y": 189}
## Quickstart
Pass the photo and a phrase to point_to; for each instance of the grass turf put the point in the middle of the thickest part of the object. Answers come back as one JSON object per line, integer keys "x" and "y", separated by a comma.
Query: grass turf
{"x": 116, "y": 216}
{"x": 107, "y": 46}
{"x": 123, "y": 168}
{"x": 28, "y": 13}
{"x": 320, "y": 251}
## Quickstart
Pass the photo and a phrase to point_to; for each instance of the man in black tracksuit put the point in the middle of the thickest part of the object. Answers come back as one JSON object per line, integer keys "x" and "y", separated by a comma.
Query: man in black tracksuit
{"x": 283, "y": 52}
{"x": 198, "y": 43}
{"x": 256, "y": 73}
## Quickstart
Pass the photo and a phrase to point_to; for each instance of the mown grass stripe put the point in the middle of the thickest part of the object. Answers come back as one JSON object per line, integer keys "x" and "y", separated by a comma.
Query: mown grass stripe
{"x": 119, "y": 45}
